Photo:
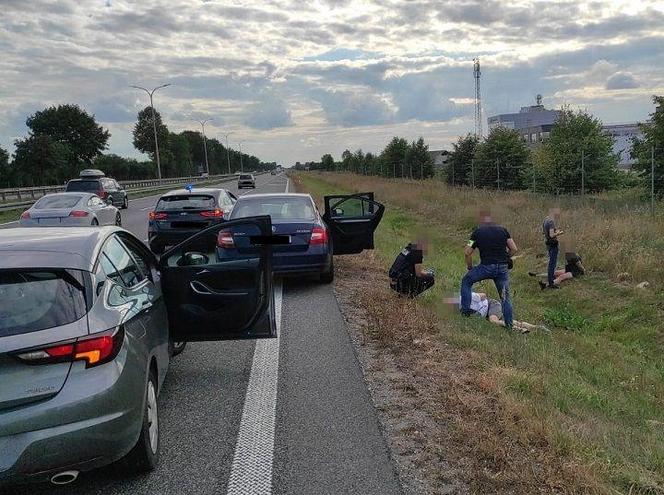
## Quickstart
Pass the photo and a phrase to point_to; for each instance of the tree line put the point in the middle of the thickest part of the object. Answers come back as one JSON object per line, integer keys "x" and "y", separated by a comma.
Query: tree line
{"x": 577, "y": 156}
{"x": 398, "y": 159}
{"x": 63, "y": 140}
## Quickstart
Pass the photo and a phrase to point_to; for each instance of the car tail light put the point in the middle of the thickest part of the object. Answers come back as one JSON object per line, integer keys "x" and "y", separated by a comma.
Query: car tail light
{"x": 225, "y": 239}
{"x": 25, "y": 215}
{"x": 216, "y": 213}
{"x": 318, "y": 235}
{"x": 94, "y": 350}
{"x": 78, "y": 214}
{"x": 153, "y": 215}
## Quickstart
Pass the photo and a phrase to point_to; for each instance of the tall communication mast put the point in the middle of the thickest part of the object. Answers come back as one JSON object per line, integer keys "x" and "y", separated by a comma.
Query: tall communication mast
{"x": 478, "y": 98}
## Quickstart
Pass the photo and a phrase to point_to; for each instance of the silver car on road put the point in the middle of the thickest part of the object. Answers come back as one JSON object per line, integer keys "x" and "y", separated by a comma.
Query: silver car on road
{"x": 86, "y": 317}
{"x": 70, "y": 210}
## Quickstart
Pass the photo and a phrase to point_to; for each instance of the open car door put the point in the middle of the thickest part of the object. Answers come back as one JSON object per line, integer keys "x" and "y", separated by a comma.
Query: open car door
{"x": 209, "y": 298}
{"x": 352, "y": 220}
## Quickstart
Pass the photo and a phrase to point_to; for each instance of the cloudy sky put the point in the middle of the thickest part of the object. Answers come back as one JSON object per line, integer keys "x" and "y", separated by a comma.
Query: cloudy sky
{"x": 294, "y": 79}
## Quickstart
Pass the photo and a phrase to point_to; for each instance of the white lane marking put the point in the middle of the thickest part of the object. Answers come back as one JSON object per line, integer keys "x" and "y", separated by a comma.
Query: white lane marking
{"x": 251, "y": 471}
{"x": 8, "y": 223}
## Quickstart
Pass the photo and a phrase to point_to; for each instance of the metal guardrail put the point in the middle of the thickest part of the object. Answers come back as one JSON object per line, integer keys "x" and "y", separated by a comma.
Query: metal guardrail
{"x": 27, "y": 195}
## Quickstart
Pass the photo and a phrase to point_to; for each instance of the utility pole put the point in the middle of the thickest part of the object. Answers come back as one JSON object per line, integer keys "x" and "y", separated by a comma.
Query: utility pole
{"x": 241, "y": 165}
{"x": 203, "y": 122}
{"x": 228, "y": 153}
{"x": 583, "y": 174}
{"x": 652, "y": 181}
{"x": 472, "y": 172}
{"x": 154, "y": 123}
{"x": 498, "y": 168}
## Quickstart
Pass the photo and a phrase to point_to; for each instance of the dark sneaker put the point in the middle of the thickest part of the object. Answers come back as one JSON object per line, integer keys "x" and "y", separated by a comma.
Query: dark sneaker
{"x": 553, "y": 286}
{"x": 542, "y": 285}
{"x": 532, "y": 274}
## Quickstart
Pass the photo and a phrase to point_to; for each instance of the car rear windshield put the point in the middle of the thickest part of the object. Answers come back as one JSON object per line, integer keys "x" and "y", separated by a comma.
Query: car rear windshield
{"x": 295, "y": 208}
{"x": 243, "y": 177}
{"x": 83, "y": 186}
{"x": 58, "y": 201}
{"x": 186, "y": 202}
{"x": 34, "y": 300}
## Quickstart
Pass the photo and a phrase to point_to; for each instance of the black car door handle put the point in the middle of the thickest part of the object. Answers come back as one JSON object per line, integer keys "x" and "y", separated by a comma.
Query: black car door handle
{"x": 203, "y": 290}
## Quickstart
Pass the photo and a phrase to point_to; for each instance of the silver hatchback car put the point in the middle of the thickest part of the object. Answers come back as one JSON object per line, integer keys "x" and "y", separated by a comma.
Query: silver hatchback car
{"x": 70, "y": 210}
{"x": 86, "y": 317}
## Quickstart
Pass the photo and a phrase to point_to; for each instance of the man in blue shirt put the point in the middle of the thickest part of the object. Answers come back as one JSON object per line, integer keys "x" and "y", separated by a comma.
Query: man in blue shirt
{"x": 496, "y": 249}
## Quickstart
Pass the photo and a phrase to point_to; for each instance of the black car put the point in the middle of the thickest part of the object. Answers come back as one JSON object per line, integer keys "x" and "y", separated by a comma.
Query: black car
{"x": 108, "y": 189}
{"x": 182, "y": 213}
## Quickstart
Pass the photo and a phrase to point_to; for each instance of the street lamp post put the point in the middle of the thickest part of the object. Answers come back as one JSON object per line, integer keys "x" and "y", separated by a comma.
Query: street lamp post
{"x": 228, "y": 153}
{"x": 154, "y": 123}
{"x": 241, "y": 166}
{"x": 203, "y": 122}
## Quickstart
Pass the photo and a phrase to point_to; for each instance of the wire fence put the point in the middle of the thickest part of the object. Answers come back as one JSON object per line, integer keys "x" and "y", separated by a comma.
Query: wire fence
{"x": 638, "y": 189}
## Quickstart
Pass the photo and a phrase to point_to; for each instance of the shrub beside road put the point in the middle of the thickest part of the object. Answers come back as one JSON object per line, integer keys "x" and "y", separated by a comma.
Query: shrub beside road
{"x": 585, "y": 402}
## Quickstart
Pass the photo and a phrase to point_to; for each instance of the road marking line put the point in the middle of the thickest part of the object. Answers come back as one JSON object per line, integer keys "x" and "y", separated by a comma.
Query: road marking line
{"x": 8, "y": 223}
{"x": 251, "y": 471}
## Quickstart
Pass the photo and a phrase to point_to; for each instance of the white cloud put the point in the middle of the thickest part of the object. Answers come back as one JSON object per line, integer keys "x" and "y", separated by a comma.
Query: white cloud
{"x": 298, "y": 79}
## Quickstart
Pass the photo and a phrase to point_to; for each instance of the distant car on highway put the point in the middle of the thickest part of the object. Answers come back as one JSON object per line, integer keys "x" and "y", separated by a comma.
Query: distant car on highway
{"x": 181, "y": 213}
{"x": 85, "y": 324}
{"x": 246, "y": 180}
{"x": 273, "y": 172}
{"x": 70, "y": 210}
{"x": 346, "y": 227}
{"x": 95, "y": 182}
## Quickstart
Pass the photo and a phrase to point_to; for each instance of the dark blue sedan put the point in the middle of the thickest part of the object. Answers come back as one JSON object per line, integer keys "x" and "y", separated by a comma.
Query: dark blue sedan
{"x": 310, "y": 238}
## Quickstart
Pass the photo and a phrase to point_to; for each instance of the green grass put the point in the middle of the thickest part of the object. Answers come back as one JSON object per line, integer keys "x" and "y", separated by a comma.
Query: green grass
{"x": 597, "y": 380}
{"x": 10, "y": 215}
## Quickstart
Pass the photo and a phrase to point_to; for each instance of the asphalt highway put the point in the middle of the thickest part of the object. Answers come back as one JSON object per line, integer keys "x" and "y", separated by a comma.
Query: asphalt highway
{"x": 291, "y": 416}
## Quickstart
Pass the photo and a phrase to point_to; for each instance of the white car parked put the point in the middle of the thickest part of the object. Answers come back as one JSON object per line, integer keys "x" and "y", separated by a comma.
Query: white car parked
{"x": 70, "y": 210}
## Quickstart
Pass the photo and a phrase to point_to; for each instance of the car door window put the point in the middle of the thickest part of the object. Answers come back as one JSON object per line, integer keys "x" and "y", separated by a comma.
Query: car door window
{"x": 140, "y": 256}
{"x": 119, "y": 265}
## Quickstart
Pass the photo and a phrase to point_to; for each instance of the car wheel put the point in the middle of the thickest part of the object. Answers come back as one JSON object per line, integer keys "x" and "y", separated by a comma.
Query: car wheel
{"x": 118, "y": 219}
{"x": 176, "y": 347}
{"x": 125, "y": 203}
{"x": 145, "y": 454}
{"x": 94, "y": 222}
{"x": 328, "y": 276}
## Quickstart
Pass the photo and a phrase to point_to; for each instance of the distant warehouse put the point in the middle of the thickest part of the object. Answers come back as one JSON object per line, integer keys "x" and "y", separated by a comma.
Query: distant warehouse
{"x": 534, "y": 124}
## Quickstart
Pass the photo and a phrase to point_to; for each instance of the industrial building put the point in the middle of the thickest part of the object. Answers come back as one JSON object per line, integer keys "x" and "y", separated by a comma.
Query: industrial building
{"x": 533, "y": 123}
{"x": 623, "y": 134}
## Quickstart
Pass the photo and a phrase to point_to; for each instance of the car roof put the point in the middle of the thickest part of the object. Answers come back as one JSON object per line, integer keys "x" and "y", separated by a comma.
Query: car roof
{"x": 201, "y": 190}
{"x": 35, "y": 247}
{"x": 87, "y": 179}
{"x": 274, "y": 195}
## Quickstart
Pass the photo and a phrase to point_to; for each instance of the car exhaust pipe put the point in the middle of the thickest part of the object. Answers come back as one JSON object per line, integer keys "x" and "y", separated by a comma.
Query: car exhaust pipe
{"x": 64, "y": 478}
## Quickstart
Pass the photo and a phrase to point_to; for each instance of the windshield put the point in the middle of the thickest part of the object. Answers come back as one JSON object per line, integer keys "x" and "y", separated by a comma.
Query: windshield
{"x": 58, "y": 201}
{"x": 294, "y": 208}
{"x": 246, "y": 177}
{"x": 186, "y": 202}
{"x": 84, "y": 185}
{"x": 34, "y": 300}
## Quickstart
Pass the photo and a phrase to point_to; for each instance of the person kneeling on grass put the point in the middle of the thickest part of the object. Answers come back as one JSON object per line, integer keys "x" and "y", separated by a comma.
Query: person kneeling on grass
{"x": 407, "y": 277}
{"x": 573, "y": 269}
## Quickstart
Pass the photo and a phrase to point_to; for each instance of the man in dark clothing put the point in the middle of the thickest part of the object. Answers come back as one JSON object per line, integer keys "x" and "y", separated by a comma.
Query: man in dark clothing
{"x": 407, "y": 276}
{"x": 496, "y": 249}
{"x": 551, "y": 235}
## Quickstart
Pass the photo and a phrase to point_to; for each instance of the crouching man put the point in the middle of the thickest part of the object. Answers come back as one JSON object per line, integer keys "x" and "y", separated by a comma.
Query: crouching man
{"x": 407, "y": 275}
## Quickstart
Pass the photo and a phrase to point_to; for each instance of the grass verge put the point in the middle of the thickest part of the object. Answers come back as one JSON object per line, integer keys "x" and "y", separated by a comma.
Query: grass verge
{"x": 583, "y": 406}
